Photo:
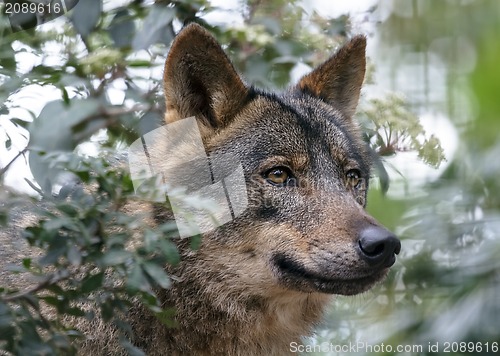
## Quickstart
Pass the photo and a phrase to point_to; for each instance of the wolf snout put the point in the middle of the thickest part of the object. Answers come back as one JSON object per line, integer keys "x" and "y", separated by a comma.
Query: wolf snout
{"x": 378, "y": 246}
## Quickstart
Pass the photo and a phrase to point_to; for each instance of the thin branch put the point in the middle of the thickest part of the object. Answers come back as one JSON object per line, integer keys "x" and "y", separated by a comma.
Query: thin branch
{"x": 20, "y": 153}
{"x": 51, "y": 280}
{"x": 34, "y": 187}
{"x": 112, "y": 112}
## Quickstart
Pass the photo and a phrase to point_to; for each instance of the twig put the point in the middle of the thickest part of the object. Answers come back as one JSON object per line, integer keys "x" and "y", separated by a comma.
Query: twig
{"x": 112, "y": 112}
{"x": 34, "y": 187}
{"x": 52, "y": 279}
{"x": 4, "y": 169}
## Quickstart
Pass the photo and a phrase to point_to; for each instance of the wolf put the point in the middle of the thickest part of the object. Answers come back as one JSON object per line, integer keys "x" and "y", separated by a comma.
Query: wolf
{"x": 262, "y": 281}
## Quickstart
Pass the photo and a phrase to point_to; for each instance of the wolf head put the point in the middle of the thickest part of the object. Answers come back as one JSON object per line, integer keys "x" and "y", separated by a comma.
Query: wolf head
{"x": 306, "y": 170}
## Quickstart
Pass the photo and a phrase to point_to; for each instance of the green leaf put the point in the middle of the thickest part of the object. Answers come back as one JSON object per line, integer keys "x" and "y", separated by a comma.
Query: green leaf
{"x": 56, "y": 114}
{"x": 107, "y": 311}
{"x": 122, "y": 29}
{"x": 53, "y": 255}
{"x": 19, "y": 122}
{"x": 68, "y": 209}
{"x": 74, "y": 255}
{"x": 52, "y": 131}
{"x": 139, "y": 63}
{"x": 7, "y": 58}
{"x": 54, "y": 288}
{"x": 4, "y": 218}
{"x": 27, "y": 263}
{"x": 57, "y": 223}
{"x": 382, "y": 174}
{"x": 170, "y": 251}
{"x": 93, "y": 282}
{"x": 85, "y": 16}
{"x": 5, "y": 315}
{"x": 8, "y": 143}
{"x": 150, "y": 239}
{"x": 83, "y": 175}
{"x": 137, "y": 280}
{"x": 195, "y": 242}
{"x": 65, "y": 95}
{"x": 115, "y": 257}
{"x": 156, "y": 28}
{"x": 75, "y": 311}
{"x": 158, "y": 274}
{"x": 54, "y": 301}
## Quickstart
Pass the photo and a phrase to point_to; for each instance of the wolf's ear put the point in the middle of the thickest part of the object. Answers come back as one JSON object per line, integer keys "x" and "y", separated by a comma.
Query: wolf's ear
{"x": 200, "y": 81}
{"x": 338, "y": 80}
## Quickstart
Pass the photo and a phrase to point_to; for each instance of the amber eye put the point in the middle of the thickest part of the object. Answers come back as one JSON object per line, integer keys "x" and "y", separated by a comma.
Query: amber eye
{"x": 354, "y": 178}
{"x": 279, "y": 176}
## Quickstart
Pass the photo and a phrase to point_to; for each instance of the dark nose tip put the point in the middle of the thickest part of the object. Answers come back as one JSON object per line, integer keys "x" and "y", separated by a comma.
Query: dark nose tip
{"x": 378, "y": 246}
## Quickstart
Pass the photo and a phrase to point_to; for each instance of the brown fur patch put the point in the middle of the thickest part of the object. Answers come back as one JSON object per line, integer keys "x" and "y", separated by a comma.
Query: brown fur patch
{"x": 338, "y": 80}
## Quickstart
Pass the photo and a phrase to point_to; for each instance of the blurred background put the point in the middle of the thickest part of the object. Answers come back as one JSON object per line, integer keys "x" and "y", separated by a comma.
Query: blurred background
{"x": 91, "y": 79}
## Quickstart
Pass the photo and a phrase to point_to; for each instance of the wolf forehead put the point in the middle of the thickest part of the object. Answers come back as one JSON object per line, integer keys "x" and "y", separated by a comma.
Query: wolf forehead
{"x": 290, "y": 124}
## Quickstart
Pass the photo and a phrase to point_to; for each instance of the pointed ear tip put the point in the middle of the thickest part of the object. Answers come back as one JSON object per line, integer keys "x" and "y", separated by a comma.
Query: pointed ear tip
{"x": 358, "y": 41}
{"x": 192, "y": 29}
{"x": 189, "y": 37}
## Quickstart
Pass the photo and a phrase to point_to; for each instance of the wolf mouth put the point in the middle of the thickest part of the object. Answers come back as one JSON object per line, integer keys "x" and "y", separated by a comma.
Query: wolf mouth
{"x": 294, "y": 274}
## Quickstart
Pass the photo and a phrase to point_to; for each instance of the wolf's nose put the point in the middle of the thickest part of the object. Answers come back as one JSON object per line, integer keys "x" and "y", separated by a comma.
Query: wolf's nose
{"x": 378, "y": 246}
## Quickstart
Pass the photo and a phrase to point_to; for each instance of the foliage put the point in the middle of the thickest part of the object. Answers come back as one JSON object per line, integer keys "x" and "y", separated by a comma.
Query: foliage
{"x": 84, "y": 238}
{"x": 391, "y": 127}
{"x": 106, "y": 58}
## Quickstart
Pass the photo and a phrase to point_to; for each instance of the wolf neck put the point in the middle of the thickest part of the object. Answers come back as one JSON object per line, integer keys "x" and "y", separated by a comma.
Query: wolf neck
{"x": 240, "y": 325}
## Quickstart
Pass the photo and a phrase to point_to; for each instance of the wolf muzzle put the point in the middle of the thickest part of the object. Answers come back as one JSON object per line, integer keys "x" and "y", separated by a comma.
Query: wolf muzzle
{"x": 378, "y": 246}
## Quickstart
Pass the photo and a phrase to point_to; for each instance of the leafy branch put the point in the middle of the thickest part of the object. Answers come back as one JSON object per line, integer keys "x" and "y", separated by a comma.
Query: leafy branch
{"x": 391, "y": 127}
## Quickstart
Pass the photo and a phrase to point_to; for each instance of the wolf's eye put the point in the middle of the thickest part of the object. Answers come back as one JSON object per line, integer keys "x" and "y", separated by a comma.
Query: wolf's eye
{"x": 354, "y": 179}
{"x": 279, "y": 176}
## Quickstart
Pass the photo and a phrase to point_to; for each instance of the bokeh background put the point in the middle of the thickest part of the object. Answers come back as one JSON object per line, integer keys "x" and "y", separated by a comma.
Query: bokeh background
{"x": 90, "y": 81}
